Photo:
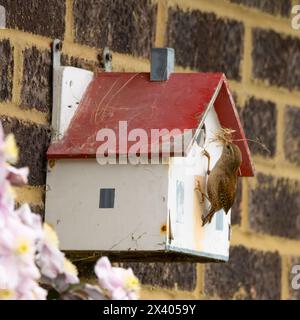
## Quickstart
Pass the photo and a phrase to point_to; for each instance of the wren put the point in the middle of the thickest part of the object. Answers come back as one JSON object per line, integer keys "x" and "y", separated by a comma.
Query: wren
{"x": 222, "y": 180}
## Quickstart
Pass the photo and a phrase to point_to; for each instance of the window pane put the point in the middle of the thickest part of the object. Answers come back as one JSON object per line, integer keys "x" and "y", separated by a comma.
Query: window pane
{"x": 179, "y": 201}
{"x": 107, "y": 198}
{"x": 219, "y": 220}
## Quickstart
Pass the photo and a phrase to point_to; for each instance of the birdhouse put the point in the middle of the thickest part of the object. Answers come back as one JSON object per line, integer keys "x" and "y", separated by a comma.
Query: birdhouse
{"x": 126, "y": 157}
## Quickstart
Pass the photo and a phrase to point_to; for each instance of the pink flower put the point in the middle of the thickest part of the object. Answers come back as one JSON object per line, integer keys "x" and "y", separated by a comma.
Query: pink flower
{"x": 16, "y": 238}
{"x": 17, "y": 177}
{"x": 52, "y": 261}
{"x": 19, "y": 232}
{"x": 31, "y": 220}
{"x": 6, "y": 199}
{"x": 9, "y": 274}
{"x": 30, "y": 290}
{"x": 70, "y": 272}
{"x": 29, "y": 251}
{"x": 15, "y": 277}
{"x": 49, "y": 259}
{"x": 119, "y": 283}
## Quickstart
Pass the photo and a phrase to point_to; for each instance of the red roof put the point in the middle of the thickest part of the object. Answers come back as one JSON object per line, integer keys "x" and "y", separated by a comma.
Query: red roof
{"x": 177, "y": 103}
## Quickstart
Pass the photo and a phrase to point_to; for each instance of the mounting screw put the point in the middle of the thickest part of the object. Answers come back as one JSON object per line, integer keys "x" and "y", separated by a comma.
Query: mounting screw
{"x": 56, "y": 52}
{"x": 58, "y": 46}
{"x": 107, "y": 60}
{"x": 108, "y": 57}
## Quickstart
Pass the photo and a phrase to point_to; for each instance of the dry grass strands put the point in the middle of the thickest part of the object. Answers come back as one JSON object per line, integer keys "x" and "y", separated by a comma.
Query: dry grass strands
{"x": 225, "y": 135}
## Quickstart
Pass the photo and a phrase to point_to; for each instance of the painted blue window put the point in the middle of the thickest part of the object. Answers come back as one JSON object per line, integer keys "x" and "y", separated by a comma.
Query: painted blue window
{"x": 179, "y": 201}
{"x": 219, "y": 220}
{"x": 107, "y": 198}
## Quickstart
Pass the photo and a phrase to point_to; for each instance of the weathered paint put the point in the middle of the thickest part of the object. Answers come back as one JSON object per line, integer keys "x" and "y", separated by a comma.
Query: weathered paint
{"x": 188, "y": 233}
{"x": 69, "y": 85}
{"x": 157, "y": 209}
{"x": 145, "y": 214}
{"x": 162, "y": 63}
{"x": 215, "y": 241}
{"x": 72, "y": 205}
{"x": 179, "y": 103}
{"x": 229, "y": 118}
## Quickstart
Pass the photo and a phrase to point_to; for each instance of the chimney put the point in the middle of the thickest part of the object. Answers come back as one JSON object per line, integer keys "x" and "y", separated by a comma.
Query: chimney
{"x": 162, "y": 63}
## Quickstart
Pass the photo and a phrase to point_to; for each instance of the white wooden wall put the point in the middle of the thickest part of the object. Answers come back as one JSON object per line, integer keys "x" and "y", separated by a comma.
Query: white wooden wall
{"x": 144, "y": 196}
{"x": 188, "y": 233}
{"x": 72, "y": 205}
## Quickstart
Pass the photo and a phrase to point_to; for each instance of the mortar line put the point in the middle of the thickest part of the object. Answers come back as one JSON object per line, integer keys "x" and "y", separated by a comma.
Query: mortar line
{"x": 247, "y": 58}
{"x": 165, "y": 293}
{"x": 26, "y": 39}
{"x": 28, "y": 115}
{"x": 245, "y": 205}
{"x": 200, "y": 278}
{"x": 285, "y": 292}
{"x": 161, "y": 23}
{"x": 30, "y": 194}
{"x": 265, "y": 242}
{"x": 69, "y": 21}
{"x": 280, "y": 170}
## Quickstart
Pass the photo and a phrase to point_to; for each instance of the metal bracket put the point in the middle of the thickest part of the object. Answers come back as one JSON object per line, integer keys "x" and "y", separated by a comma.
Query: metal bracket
{"x": 107, "y": 60}
{"x": 56, "y": 53}
{"x": 56, "y": 63}
{"x": 56, "y": 56}
{"x": 2, "y": 17}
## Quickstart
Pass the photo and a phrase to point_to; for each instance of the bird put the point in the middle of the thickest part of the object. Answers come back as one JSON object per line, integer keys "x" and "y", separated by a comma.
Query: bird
{"x": 222, "y": 180}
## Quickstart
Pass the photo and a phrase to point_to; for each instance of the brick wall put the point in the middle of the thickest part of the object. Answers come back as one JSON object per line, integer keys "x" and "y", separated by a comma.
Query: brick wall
{"x": 252, "y": 42}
